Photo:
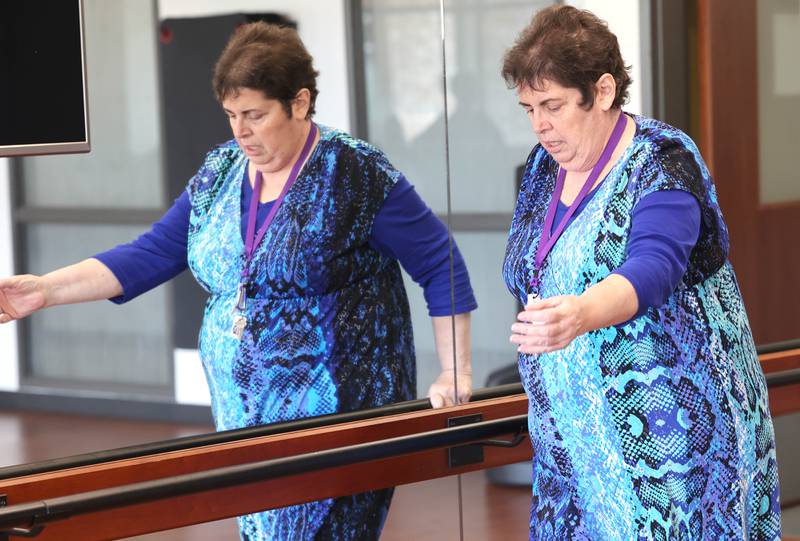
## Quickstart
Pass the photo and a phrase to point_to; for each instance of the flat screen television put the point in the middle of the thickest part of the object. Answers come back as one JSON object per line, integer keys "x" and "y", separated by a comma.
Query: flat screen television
{"x": 43, "y": 97}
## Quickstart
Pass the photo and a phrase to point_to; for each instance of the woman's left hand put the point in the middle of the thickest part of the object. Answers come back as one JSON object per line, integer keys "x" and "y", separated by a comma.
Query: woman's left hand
{"x": 548, "y": 325}
{"x": 442, "y": 391}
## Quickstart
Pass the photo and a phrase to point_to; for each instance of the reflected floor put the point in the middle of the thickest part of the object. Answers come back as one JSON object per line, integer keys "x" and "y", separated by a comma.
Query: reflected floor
{"x": 420, "y": 511}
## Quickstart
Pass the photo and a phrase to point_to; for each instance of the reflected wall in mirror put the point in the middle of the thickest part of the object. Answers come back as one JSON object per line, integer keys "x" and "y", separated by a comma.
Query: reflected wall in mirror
{"x": 777, "y": 30}
{"x": 778, "y": 38}
{"x": 70, "y": 207}
{"x": 767, "y": 199}
{"x": 404, "y": 115}
{"x": 403, "y": 99}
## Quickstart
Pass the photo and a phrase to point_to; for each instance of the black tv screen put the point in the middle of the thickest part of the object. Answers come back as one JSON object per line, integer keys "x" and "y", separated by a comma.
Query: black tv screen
{"x": 43, "y": 99}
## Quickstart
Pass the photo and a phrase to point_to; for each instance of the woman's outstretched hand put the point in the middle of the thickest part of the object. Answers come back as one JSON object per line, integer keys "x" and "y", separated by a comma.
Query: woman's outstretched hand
{"x": 442, "y": 391}
{"x": 548, "y": 325}
{"x": 20, "y": 296}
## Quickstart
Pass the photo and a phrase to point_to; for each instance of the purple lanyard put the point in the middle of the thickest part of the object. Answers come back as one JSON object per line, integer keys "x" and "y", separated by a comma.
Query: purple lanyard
{"x": 251, "y": 238}
{"x": 548, "y": 239}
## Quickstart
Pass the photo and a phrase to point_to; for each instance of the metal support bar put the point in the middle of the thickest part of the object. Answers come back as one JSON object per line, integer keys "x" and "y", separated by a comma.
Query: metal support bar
{"x": 33, "y": 531}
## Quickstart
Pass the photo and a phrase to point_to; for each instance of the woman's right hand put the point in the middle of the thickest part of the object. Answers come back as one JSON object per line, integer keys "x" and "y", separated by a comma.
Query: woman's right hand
{"x": 20, "y": 296}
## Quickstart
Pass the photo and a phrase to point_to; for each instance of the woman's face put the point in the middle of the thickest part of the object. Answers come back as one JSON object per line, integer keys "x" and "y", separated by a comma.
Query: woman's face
{"x": 572, "y": 135}
{"x": 269, "y": 137}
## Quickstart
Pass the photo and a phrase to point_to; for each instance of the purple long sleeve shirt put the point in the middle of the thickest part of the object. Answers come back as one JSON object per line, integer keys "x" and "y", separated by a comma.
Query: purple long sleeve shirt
{"x": 665, "y": 226}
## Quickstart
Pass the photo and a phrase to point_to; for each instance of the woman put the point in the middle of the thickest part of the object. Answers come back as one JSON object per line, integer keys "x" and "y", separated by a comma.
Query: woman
{"x": 295, "y": 230}
{"x": 647, "y": 406}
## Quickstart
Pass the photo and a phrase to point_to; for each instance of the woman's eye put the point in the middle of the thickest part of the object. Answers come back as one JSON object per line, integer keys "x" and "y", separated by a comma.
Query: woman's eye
{"x": 554, "y": 108}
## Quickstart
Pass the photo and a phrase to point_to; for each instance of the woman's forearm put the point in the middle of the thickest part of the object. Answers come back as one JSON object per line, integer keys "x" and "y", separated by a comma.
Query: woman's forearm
{"x": 609, "y": 302}
{"x": 445, "y": 341}
{"x": 454, "y": 384}
{"x": 88, "y": 280}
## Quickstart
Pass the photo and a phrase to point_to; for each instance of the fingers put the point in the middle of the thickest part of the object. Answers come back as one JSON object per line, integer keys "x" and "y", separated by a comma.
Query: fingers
{"x": 440, "y": 400}
{"x": 536, "y": 345}
{"x": 539, "y": 332}
{"x": 540, "y": 345}
{"x": 540, "y": 337}
{"x": 544, "y": 311}
{"x": 546, "y": 325}
{"x": 442, "y": 393}
{"x": 544, "y": 303}
{"x": 442, "y": 396}
{"x": 437, "y": 401}
{"x": 7, "y": 312}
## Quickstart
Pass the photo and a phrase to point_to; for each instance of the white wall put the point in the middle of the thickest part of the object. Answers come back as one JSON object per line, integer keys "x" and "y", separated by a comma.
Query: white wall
{"x": 321, "y": 25}
{"x": 778, "y": 101}
{"x": 9, "y": 357}
{"x": 190, "y": 380}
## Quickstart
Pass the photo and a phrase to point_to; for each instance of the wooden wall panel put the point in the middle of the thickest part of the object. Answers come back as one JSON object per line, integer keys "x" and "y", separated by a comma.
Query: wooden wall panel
{"x": 766, "y": 263}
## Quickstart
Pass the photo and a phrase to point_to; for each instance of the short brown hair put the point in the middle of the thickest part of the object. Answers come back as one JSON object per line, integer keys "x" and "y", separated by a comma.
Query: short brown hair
{"x": 268, "y": 58}
{"x": 568, "y": 46}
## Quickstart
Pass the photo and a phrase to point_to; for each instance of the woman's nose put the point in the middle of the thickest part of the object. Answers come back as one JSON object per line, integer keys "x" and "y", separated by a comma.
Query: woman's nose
{"x": 539, "y": 124}
{"x": 239, "y": 127}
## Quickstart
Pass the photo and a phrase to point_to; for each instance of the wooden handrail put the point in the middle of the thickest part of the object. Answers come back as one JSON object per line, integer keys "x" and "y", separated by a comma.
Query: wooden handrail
{"x": 780, "y": 361}
{"x": 213, "y": 505}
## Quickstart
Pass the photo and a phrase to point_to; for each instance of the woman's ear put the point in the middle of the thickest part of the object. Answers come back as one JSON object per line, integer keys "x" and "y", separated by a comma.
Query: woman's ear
{"x": 301, "y": 104}
{"x": 605, "y": 90}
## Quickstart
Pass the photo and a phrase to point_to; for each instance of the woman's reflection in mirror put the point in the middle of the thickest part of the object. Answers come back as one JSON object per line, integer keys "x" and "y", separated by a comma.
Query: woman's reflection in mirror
{"x": 297, "y": 231}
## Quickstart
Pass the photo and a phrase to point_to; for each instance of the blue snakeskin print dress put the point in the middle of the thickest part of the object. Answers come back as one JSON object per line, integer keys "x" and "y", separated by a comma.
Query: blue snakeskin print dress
{"x": 329, "y": 324}
{"x": 658, "y": 428}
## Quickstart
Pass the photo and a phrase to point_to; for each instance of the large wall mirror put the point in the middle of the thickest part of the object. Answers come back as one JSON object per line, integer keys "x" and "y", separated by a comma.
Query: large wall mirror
{"x": 154, "y": 117}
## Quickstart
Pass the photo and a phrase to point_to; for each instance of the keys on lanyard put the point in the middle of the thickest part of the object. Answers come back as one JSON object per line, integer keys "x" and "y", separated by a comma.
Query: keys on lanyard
{"x": 535, "y": 285}
{"x": 252, "y": 238}
{"x": 239, "y": 319}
